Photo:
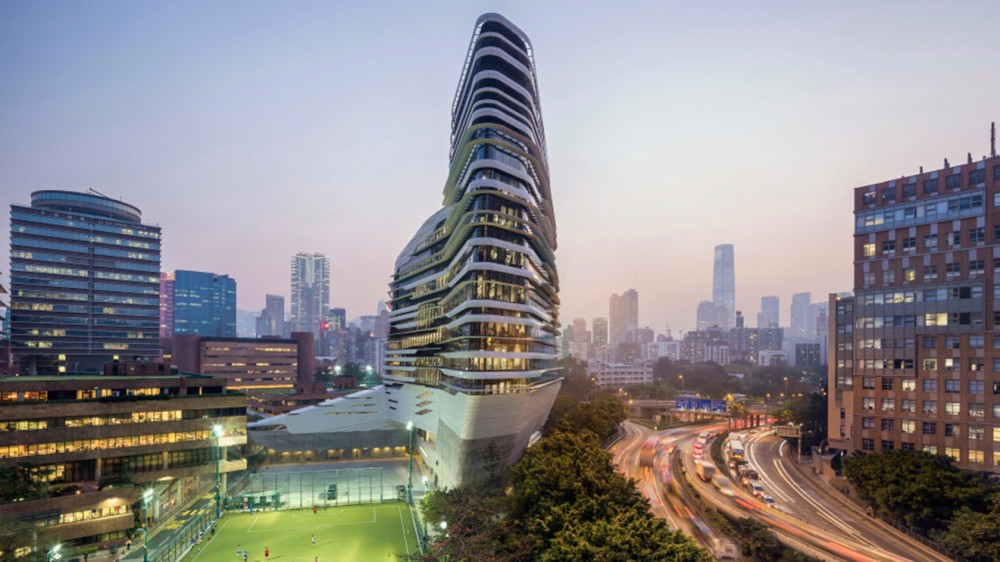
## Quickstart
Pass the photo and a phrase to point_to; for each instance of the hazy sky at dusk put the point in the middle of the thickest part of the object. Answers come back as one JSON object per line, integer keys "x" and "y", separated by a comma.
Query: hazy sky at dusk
{"x": 252, "y": 130}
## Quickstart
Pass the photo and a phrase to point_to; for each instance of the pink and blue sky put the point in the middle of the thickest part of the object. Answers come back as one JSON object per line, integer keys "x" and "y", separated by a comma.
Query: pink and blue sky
{"x": 252, "y": 130}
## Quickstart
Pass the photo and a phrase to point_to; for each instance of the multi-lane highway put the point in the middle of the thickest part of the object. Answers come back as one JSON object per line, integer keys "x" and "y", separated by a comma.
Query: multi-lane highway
{"x": 803, "y": 516}
{"x": 648, "y": 457}
{"x": 802, "y": 498}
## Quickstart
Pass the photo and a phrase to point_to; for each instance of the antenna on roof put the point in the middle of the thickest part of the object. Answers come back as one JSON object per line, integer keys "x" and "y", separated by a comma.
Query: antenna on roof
{"x": 921, "y": 169}
{"x": 946, "y": 164}
{"x": 970, "y": 157}
{"x": 92, "y": 190}
{"x": 993, "y": 138}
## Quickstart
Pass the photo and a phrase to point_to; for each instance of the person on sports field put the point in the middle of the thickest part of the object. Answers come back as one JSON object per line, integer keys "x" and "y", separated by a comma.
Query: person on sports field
{"x": 267, "y": 552}
{"x": 314, "y": 539}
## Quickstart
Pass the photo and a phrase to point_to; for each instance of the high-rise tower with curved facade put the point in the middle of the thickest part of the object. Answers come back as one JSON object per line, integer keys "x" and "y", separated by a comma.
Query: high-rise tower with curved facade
{"x": 470, "y": 358}
{"x": 472, "y": 341}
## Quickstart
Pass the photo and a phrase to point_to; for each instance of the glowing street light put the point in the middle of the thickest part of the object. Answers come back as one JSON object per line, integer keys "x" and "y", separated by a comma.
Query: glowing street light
{"x": 409, "y": 483}
{"x": 54, "y": 553}
{"x": 217, "y": 432}
{"x": 147, "y": 496}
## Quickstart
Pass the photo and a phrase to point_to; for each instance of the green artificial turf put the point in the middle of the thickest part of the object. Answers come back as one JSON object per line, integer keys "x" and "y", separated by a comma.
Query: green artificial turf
{"x": 359, "y": 533}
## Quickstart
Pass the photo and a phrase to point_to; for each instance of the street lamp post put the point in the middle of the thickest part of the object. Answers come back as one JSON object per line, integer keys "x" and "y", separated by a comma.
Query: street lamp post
{"x": 146, "y": 496}
{"x": 682, "y": 382}
{"x": 409, "y": 482}
{"x": 786, "y": 386}
{"x": 217, "y": 431}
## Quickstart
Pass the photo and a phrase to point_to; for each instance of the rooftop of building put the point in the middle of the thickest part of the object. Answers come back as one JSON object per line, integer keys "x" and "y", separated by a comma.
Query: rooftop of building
{"x": 86, "y": 203}
{"x": 948, "y": 168}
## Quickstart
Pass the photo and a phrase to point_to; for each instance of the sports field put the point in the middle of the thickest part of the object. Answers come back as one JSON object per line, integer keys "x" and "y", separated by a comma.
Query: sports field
{"x": 359, "y": 533}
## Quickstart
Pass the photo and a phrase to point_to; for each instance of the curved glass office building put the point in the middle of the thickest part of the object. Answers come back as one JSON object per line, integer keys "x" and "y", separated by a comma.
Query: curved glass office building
{"x": 472, "y": 341}
{"x": 85, "y": 283}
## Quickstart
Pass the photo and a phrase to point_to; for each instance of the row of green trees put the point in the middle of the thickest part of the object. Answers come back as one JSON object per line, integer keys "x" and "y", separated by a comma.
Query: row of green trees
{"x": 563, "y": 501}
{"x": 928, "y": 493}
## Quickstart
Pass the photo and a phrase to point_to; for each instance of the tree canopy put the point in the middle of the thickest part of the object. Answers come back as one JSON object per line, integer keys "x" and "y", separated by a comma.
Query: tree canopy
{"x": 562, "y": 501}
{"x": 975, "y": 535}
{"x": 924, "y": 491}
{"x": 811, "y": 412}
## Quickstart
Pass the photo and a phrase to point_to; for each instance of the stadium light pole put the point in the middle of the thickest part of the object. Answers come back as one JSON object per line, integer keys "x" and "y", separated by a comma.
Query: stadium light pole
{"x": 217, "y": 432}
{"x": 409, "y": 483}
{"x": 146, "y": 496}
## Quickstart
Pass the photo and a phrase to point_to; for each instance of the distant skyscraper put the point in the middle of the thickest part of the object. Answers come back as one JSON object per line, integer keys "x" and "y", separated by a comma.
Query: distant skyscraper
{"x": 800, "y": 316}
{"x": 580, "y": 333}
{"x": 724, "y": 285}
{"x": 338, "y": 318}
{"x": 310, "y": 292}
{"x": 768, "y": 317}
{"x": 204, "y": 304}
{"x": 271, "y": 321}
{"x": 166, "y": 304}
{"x": 600, "y": 331}
{"x": 85, "y": 283}
{"x": 623, "y": 318}
{"x": 816, "y": 316}
{"x": 710, "y": 315}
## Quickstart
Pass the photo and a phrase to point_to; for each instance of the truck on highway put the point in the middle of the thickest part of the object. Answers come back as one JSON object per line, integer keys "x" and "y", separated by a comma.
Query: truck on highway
{"x": 705, "y": 470}
{"x": 648, "y": 452}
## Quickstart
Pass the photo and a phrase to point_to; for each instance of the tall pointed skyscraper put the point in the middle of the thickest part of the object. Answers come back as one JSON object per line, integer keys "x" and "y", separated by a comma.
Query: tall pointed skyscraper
{"x": 472, "y": 341}
{"x": 469, "y": 372}
{"x": 724, "y": 285}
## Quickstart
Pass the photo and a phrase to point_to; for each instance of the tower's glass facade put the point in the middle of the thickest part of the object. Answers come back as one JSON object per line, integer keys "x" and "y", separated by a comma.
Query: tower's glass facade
{"x": 85, "y": 283}
{"x": 204, "y": 304}
{"x": 474, "y": 294}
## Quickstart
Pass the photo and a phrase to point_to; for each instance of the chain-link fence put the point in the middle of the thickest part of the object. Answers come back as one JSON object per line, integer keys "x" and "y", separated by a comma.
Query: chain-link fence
{"x": 321, "y": 488}
{"x": 172, "y": 545}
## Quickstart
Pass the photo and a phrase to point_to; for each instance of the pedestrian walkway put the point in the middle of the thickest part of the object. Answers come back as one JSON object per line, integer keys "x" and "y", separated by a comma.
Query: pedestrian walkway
{"x": 176, "y": 533}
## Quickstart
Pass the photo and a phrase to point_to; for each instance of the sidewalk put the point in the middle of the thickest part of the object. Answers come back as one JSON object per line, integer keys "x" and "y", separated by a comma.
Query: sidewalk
{"x": 167, "y": 534}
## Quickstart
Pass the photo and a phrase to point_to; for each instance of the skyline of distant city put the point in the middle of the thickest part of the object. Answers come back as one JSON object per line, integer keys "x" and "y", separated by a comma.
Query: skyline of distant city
{"x": 263, "y": 127}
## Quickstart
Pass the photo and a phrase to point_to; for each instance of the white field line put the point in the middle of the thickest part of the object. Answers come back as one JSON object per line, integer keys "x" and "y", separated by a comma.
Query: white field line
{"x": 402, "y": 527}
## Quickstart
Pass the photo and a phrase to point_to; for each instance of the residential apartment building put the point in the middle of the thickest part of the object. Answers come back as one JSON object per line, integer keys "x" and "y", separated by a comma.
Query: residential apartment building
{"x": 916, "y": 350}
{"x": 166, "y": 305}
{"x": 310, "y": 292}
{"x": 95, "y": 443}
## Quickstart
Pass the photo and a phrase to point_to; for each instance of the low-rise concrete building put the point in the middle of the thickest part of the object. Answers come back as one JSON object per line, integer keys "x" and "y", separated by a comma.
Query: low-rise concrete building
{"x": 90, "y": 446}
